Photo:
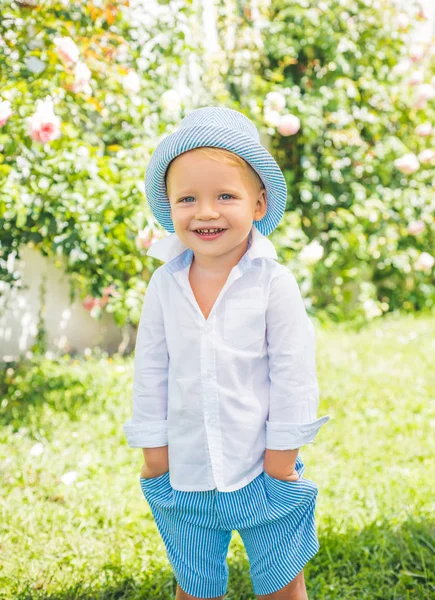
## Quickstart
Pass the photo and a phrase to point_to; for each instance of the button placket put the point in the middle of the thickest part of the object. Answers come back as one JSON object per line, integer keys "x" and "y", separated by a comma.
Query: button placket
{"x": 210, "y": 403}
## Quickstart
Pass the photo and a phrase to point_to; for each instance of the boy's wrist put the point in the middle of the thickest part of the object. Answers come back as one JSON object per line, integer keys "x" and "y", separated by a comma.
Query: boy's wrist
{"x": 156, "y": 462}
{"x": 280, "y": 463}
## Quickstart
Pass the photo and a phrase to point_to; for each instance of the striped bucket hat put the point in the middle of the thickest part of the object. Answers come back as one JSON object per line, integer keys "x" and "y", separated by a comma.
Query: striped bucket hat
{"x": 220, "y": 128}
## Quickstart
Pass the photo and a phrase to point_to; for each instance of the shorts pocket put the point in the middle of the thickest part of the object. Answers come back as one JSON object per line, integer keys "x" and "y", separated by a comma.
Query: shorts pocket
{"x": 153, "y": 478}
{"x": 245, "y": 320}
{"x": 287, "y": 496}
{"x": 157, "y": 489}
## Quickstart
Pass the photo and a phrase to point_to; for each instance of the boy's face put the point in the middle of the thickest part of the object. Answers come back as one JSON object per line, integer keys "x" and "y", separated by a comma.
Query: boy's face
{"x": 204, "y": 193}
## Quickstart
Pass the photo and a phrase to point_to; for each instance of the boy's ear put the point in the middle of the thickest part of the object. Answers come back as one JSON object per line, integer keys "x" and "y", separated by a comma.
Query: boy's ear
{"x": 262, "y": 204}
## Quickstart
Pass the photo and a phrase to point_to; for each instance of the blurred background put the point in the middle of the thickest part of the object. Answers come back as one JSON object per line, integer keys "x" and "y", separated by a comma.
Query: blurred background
{"x": 343, "y": 93}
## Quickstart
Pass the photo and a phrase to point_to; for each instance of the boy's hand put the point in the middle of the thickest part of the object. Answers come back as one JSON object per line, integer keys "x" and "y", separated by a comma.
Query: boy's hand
{"x": 280, "y": 464}
{"x": 156, "y": 462}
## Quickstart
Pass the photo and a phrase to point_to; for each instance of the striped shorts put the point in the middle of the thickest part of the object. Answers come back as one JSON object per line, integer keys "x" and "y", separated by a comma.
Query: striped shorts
{"x": 275, "y": 519}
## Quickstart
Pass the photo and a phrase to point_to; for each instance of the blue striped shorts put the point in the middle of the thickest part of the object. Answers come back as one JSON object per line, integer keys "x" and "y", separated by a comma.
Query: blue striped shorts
{"x": 275, "y": 519}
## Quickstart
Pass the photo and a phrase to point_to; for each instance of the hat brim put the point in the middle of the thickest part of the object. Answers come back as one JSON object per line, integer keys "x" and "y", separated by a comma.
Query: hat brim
{"x": 189, "y": 138}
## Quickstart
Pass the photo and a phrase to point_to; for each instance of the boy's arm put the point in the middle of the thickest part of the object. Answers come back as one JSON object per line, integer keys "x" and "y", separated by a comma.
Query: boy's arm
{"x": 294, "y": 393}
{"x": 148, "y": 427}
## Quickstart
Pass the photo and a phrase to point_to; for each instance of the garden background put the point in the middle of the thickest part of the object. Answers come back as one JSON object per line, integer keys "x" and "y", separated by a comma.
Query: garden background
{"x": 343, "y": 93}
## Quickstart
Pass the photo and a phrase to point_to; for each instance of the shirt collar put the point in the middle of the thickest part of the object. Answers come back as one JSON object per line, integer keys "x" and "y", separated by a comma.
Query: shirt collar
{"x": 170, "y": 246}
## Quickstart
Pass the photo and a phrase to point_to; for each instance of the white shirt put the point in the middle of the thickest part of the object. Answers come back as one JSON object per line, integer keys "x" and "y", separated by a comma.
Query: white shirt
{"x": 218, "y": 391}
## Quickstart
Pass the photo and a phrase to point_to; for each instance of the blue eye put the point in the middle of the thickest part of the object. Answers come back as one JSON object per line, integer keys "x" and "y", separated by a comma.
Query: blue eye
{"x": 187, "y": 197}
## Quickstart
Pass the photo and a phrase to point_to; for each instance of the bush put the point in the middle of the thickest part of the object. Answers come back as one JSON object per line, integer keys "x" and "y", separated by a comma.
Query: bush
{"x": 350, "y": 108}
{"x": 84, "y": 98}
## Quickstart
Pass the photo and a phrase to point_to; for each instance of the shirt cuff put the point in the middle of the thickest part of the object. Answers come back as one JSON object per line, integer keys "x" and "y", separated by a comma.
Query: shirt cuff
{"x": 146, "y": 435}
{"x": 289, "y": 436}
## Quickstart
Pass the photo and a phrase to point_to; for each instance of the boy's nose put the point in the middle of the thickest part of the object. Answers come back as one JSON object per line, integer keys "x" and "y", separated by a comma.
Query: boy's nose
{"x": 206, "y": 214}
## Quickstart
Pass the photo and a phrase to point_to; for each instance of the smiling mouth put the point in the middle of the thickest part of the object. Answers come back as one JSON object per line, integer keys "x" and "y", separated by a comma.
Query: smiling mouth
{"x": 212, "y": 233}
{"x": 208, "y": 229}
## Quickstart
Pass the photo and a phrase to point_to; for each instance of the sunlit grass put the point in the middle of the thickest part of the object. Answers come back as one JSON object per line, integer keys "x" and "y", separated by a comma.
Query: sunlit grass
{"x": 74, "y": 522}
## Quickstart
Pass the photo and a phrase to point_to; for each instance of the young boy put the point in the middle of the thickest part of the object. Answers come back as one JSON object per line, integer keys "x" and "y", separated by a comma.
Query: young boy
{"x": 225, "y": 389}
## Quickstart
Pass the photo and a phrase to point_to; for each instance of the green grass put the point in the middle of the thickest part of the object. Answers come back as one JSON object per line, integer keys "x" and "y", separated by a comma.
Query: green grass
{"x": 95, "y": 538}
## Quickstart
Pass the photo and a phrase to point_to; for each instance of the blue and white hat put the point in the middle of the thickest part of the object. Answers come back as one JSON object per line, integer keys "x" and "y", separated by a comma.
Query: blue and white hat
{"x": 221, "y": 128}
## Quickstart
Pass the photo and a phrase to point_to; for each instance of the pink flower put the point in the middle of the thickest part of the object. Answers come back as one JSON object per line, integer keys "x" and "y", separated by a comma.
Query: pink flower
{"x": 272, "y": 118}
{"x": 82, "y": 78}
{"x": 147, "y": 236}
{"x": 416, "y": 78}
{"x": 5, "y": 111}
{"x": 275, "y": 101}
{"x": 402, "y": 21}
{"x": 44, "y": 125}
{"x": 407, "y": 164}
{"x": 416, "y": 227}
{"x": 425, "y": 92}
{"x": 424, "y": 129}
{"x": 289, "y": 124}
{"x": 67, "y": 49}
{"x": 426, "y": 156}
{"x": 424, "y": 262}
{"x": 402, "y": 67}
{"x": 109, "y": 290}
{"x": 417, "y": 52}
{"x": 101, "y": 302}
{"x": 89, "y": 302}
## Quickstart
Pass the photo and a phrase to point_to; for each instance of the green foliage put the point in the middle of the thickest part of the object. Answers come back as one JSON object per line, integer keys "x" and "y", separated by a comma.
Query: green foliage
{"x": 79, "y": 197}
{"x": 349, "y": 230}
{"x": 335, "y": 66}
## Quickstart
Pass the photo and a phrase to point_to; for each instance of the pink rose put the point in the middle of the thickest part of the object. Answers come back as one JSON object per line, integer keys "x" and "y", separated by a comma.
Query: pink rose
{"x": 416, "y": 78}
{"x": 416, "y": 52}
{"x": 5, "y": 111}
{"x": 146, "y": 237}
{"x": 424, "y": 129}
{"x": 426, "y": 156}
{"x": 425, "y": 92}
{"x": 275, "y": 101}
{"x": 402, "y": 21}
{"x": 89, "y": 302}
{"x": 44, "y": 125}
{"x": 416, "y": 227}
{"x": 424, "y": 262}
{"x": 402, "y": 67}
{"x": 82, "y": 75}
{"x": 289, "y": 124}
{"x": 101, "y": 302}
{"x": 272, "y": 118}
{"x": 407, "y": 164}
{"x": 67, "y": 49}
{"x": 109, "y": 290}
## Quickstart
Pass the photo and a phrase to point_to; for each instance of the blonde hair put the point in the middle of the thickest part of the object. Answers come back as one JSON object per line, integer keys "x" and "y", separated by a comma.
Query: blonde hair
{"x": 224, "y": 156}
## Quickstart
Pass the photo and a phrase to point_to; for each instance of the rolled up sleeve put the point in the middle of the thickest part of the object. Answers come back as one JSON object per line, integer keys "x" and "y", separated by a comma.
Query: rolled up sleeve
{"x": 294, "y": 392}
{"x": 148, "y": 426}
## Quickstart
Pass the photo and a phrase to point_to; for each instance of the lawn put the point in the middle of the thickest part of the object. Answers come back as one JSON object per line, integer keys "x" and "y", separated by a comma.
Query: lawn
{"x": 74, "y": 522}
